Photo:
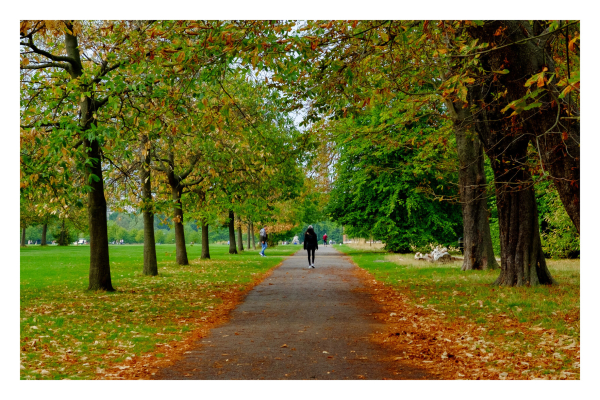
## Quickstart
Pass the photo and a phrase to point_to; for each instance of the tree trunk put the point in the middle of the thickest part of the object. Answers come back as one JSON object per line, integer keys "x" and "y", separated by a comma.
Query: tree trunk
{"x": 248, "y": 236}
{"x": 44, "y": 230}
{"x": 205, "y": 251}
{"x": 99, "y": 278}
{"x": 558, "y": 140}
{"x": 239, "y": 232}
{"x": 253, "y": 238}
{"x": 523, "y": 261}
{"x": 180, "y": 250}
{"x": 232, "y": 247}
{"x": 63, "y": 241}
{"x": 477, "y": 240}
{"x": 505, "y": 139}
{"x": 23, "y": 238}
{"x": 150, "y": 263}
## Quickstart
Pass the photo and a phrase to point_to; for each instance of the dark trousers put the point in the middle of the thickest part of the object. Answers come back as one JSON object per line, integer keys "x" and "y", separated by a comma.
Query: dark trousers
{"x": 313, "y": 256}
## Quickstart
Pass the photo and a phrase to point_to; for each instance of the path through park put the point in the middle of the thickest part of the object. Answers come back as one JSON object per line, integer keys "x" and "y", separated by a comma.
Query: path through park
{"x": 298, "y": 324}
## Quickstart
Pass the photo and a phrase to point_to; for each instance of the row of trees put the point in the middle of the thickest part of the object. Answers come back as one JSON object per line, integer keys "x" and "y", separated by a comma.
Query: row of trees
{"x": 174, "y": 114}
{"x": 130, "y": 229}
{"x": 155, "y": 115}
{"x": 509, "y": 90}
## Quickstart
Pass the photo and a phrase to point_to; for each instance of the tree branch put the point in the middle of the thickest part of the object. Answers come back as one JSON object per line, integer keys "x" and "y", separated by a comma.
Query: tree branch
{"x": 45, "y": 53}
{"x": 64, "y": 66}
{"x": 105, "y": 70}
{"x": 197, "y": 181}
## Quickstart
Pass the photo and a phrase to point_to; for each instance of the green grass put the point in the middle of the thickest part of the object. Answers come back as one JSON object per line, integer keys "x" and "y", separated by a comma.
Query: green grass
{"x": 469, "y": 296}
{"x": 69, "y": 332}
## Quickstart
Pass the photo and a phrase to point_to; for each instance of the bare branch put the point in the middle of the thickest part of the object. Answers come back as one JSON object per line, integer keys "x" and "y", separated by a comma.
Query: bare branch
{"x": 64, "y": 66}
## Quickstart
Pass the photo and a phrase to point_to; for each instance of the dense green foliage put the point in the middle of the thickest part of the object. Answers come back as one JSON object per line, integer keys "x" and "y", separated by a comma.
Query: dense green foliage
{"x": 394, "y": 191}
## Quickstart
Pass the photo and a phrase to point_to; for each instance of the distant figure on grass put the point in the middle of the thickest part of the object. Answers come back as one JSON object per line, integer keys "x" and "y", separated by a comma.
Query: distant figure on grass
{"x": 263, "y": 240}
{"x": 311, "y": 244}
{"x": 325, "y": 240}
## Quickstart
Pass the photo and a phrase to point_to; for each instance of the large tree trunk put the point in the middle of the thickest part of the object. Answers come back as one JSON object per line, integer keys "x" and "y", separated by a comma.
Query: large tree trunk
{"x": 205, "y": 251}
{"x": 150, "y": 263}
{"x": 558, "y": 139}
{"x": 180, "y": 250}
{"x": 239, "y": 232}
{"x": 232, "y": 247}
{"x": 523, "y": 261}
{"x": 505, "y": 139}
{"x": 478, "y": 249}
{"x": 23, "y": 237}
{"x": 99, "y": 278}
{"x": 253, "y": 238}
{"x": 44, "y": 230}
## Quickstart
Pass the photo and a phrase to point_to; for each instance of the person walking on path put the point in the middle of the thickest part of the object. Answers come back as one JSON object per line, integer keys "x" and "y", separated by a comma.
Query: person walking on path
{"x": 325, "y": 239}
{"x": 311, "y": 244}
{"x": 263, "y": 240}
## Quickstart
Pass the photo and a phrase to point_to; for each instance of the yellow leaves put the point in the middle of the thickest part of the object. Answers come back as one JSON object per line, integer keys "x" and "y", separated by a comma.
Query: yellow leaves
{"x": 384, "y": 36}
{"x": 25, "y": 61}
{"x": 540, "y": 81}
{"x": 24, "y": 28}
{"x": 572, "y": 43}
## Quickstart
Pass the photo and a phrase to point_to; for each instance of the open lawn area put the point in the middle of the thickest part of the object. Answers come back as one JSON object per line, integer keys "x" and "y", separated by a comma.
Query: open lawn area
{"x": 524, "y": 332}
{"x": 68, "y": 332}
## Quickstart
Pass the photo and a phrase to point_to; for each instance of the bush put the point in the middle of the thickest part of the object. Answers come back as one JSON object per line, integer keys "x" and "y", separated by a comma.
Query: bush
{"x": 139, "y": 236}
{"x": 559, "y": 235}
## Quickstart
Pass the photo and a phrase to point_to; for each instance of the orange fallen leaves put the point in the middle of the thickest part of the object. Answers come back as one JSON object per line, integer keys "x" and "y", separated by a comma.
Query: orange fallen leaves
{"x": 146, "y": 366}
{"x": 417, "y": 336}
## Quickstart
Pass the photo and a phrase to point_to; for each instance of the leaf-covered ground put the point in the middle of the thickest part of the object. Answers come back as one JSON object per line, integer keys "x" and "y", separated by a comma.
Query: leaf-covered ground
{"x": 68, "y": 332}
{"x": 458, "y": 325}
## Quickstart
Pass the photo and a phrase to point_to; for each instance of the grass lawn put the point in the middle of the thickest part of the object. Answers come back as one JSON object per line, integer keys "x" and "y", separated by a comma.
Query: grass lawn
{"x": 68, "y": 332}
{"x": 541, "y": 323}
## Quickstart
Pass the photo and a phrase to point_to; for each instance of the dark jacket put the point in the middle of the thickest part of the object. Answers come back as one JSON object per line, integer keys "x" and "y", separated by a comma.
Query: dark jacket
{"x": 310, "y": 240}
{"x": 264, "y": 238}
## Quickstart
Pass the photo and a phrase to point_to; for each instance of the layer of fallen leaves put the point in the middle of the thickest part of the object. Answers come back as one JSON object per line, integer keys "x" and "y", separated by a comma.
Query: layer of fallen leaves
{"x": 421, "y": 336}
{"x": 147, "y": 366}
{"x": 67, "y": 333}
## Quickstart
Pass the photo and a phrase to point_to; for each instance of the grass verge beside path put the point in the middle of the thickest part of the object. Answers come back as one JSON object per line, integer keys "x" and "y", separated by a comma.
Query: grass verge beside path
{"x": 68, "y": 332}
{"x": 498, "y": 332}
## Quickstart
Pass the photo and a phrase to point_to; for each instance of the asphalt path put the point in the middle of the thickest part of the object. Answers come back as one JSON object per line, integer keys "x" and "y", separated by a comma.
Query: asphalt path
{"x": 299, "y": 323}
